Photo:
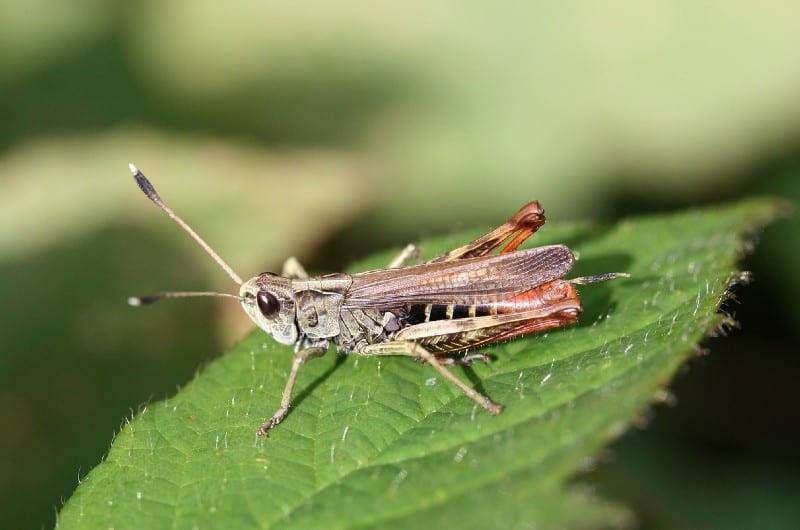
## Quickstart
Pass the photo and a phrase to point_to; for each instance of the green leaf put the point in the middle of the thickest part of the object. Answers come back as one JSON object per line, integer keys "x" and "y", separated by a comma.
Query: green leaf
{"x": 384, "y": 443}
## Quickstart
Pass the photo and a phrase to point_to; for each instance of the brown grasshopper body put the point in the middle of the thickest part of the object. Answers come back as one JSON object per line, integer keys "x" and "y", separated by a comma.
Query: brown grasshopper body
{"x": 463, "y": 299}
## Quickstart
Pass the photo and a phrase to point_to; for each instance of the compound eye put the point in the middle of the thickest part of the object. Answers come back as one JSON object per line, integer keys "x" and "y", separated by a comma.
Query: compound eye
{"x": 267, "y": 303}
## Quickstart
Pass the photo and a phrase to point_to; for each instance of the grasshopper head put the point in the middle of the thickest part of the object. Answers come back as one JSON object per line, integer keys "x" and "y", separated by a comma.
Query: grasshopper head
{"x": 268, "y": 300}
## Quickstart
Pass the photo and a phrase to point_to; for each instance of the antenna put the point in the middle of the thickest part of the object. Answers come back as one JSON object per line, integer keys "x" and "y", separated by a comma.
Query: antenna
{"x": 137, "y": 301}
{"x": 151, "y": 193}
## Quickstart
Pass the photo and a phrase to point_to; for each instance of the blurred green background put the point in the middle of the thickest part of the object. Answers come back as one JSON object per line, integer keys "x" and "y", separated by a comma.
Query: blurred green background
{"x": 329, "y": 130}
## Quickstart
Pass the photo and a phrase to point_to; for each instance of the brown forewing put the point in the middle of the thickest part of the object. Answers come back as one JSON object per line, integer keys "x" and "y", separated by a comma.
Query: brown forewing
{"x": 464, "y": 281}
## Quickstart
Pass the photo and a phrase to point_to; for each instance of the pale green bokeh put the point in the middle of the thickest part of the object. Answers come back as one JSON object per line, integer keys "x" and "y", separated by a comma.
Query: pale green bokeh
{"x": 326, "y": 130}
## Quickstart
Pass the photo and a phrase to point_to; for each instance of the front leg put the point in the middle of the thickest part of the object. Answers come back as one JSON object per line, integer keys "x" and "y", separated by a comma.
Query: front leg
{"x": 286, "y": 400}
{"x": 412, "y": 349}
{"x": 407, "y": 255}
{"x": 293, "y": 269}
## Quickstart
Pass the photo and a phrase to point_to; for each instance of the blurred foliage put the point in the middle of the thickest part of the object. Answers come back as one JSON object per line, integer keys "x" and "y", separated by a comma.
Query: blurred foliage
{"x": 329, "y": 130}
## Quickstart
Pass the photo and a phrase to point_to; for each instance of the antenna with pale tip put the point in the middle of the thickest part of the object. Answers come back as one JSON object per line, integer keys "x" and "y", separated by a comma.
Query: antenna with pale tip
{"x": 147, "y": 187}
{"x": 137, "y": 301}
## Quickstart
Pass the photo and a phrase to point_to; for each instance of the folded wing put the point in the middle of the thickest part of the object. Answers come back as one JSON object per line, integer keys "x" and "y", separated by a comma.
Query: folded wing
{"x": 464, "y": 281}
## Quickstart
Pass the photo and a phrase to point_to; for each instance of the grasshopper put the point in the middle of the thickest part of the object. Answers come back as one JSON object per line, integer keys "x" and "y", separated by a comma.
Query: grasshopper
{"x": 433, "y": 311}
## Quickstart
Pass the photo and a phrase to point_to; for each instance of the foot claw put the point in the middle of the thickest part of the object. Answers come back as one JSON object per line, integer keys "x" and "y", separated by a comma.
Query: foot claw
{"x": 494, "y": 408}
{"x": 464, "y": 361}
{"x": 267, "y": 425}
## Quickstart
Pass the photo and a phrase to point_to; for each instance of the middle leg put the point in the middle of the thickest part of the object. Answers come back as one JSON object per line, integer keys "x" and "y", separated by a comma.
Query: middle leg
{"x": 412, "y": 349}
